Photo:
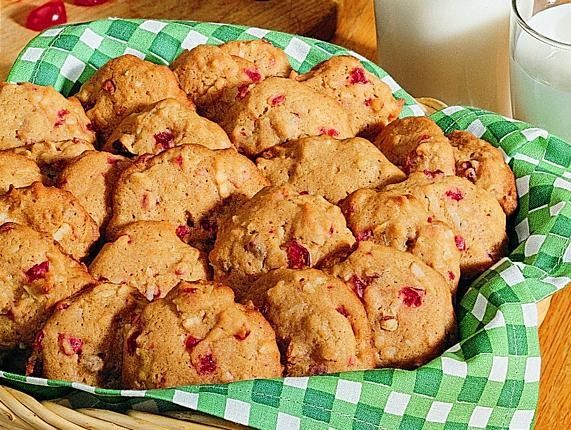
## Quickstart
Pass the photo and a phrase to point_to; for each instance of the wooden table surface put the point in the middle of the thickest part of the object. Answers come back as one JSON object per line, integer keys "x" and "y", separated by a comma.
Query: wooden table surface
{"x": 355, "y": 30}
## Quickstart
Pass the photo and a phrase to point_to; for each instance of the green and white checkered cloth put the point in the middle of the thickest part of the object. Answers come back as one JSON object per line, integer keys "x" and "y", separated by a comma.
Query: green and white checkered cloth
{"x": 488, "y": 380}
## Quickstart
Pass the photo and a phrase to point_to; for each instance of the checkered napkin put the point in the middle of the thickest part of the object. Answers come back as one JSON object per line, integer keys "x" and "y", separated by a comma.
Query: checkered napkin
{"x": 488, "y": 380}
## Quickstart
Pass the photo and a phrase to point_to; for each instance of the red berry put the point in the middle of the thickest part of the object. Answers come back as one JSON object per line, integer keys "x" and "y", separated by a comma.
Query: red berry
{"x": 357, "y": 76}
{"x": 6, "y": 227}
{"x": 451, "y": 276}
{"x": 191, "y": 342}
{"x": 360, "y": 284}
{"x": 276, "y": 100}
{"x": 182, "y": 231}
{"x": 38, "y": 341}
{"x": 38, "y": 271}
{"x": 178, "y": 160}
{"x": 455, "y": 194}
{"x": 89, "y": 2}
{"x": 460, "y": 243}
{"x": 156, "y": 293}
{"x": 47, "y": 15}
{"x": 412, "y": 297}
{"x": 164, "y": 139}
{"x": 61, "y": 114}
{"x": 253, "y": 74}
{"x": 207, "y": 364}
{"x": 341, "y": 309}
{"x": 364, "y": 235}
{"x": 368, "y": 102}
{"x": 69, "y": 345}
{"x": 298, "y": 257}
{"x": 331, "y": 132}
{"x": 243, "y": 91}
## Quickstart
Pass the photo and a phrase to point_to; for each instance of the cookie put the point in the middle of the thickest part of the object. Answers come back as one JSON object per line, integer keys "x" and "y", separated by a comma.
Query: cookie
{"x": 31, "y": 114}
{"x": 403, "y": 222}
{"x": 81, "y": 341}
{"x": 408, "y": 305}
{"x": 149, "y": 256}
{"x": 198, "y": 335}
{"x": 54, "y": 212}
{"x": 91, "y": 178}
{"x": 369, "y": 99}
{"x": 124, "y": 85}
{"x": 186, "y": 185}
{"x": 17, "y": 171}
{"x": 35, "y": 275}
{"x": 268, "y": 59}
{"x": 475, "y": 216}
{"x": 320, "y": 324}
{"x": 163, "y": 125}
{"x": 483, "y": 165}
{"x": 277, "y": 228}
{"x": 277, "y": 110}
{"x": 417, "y": 144}
{"x": 329, "y": 167}
{"x": 212, "y": 77}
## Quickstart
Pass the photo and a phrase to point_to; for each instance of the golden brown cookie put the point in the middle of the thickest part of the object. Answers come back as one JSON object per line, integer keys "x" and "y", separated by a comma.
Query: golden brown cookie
{"x": 81, "y": 341}
{"x": 277, "y": 228}
{"x": 198, "y": 335}
{"x": 124, "y": 85}
{"x": 328, "y": 167}
{"x": 212, "y": 77}
{"x": 31, "y": 114}
{"x": 320, "y": 324}
{"x": 483, "y": 165}
{"x": 268, "y": 59}
{"x": 417, "y": 144}
{"x": 186, "y": 185}
{"x": 409, "y": 306}
{"x": 17, "y": 171}
{"x": 149, "y": 256}
{"x": 403, "y": 222}
{"x": 475, "y": 216}
{"x": 35, "y": 275}
{"x": 365, "y": 96}
{"x": 277, "y": 110}
{"x": 54, "y": 212}
{"x": 91, "y": 178}
{"x": 163, "y": 125}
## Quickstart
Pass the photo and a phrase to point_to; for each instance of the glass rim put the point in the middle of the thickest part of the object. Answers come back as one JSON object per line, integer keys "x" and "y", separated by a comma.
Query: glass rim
{"x": 534, "y": 33}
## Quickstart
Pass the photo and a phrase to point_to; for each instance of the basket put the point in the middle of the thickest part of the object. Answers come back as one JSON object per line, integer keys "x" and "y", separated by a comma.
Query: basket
{"x": 490, "y": 378}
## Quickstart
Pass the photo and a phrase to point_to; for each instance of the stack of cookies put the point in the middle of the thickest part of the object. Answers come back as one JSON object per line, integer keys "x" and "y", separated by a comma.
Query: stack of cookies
{"x": 227, "y": 218}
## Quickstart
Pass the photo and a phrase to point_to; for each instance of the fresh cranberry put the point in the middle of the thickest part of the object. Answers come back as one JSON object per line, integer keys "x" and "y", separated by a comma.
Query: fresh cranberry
{"x": 460, "y": 243}
{"x": 364, "y": 235}
{"x": 108, "y": 86}
{"x": 164, "y": 139}
{"x": 243, "y": 91}
{"x": 343, "y": 311}
{"x": 357, "y": 76}
{"x": 60, "y": 115}
{"x": 89, "y": 2}
{"x": 38, "y": 271}
{"x": 253, "y": 74}
{"x": 207, "y": 364}
{"x": 433, "y": 173}
{"x": 156, "y": 293}
{"x": 276, "y": 100}
{"x": 191, "y": 342}
{"x": 178, "y": 160}
{"x": 455, "y": 194}
{"x": 451, "y": 276}
{"x": 412, "y": 297}
{"x": 47, "y": 15}
{"x": 38, "y": 341}
{"x": 429, "y": 219}
{"x": 69, "y": 345}
{"x": 298, "y": 256}
{"x": 360, "y": 284}
{"x": 303, "y": 193}
{"x": 331, "y": 132}
{"x": 182, "y": 231}
{"x": 242, "y": 334}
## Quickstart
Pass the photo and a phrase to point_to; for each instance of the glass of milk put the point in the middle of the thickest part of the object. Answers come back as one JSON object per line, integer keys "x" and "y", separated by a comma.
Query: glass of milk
{"x": 540, "y": 64}
{"x": 453, "y": 50}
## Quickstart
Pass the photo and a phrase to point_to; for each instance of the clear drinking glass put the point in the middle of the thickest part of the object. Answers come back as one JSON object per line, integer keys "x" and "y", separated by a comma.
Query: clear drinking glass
{"x": 540, "y": 64}
{"x": 453, "y": 50}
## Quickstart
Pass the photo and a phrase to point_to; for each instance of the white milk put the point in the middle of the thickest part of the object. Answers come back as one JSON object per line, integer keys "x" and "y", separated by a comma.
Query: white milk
{"x": 541, "y": 73}
{"x": 454, "y": 50}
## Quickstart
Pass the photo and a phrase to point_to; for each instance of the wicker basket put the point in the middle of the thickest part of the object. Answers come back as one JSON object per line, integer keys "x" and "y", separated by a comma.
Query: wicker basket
{"x": 20, "y": 411}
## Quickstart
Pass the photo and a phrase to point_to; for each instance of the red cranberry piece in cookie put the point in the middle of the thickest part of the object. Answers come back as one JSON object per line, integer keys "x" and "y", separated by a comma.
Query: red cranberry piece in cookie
{"x": 47, "y": 15}
{"x": 191, "y": 342}
{"x": 243, "y": 91}
{"x": 60, "y": 117}
{"x": 207, "y": 364}
{"x": 182, "y": 231}
{"x": 298, "y": 256}
{"x": 412, "y": 297}
{"x": 460, "y": 243}
{"x": 38, "y": 341}
{"x": 253, "y": 74}
{"x": 455, "y": 194}
{"x": 331, "y": 132}
{"x": 277, "y": 100}
{"x": 108, "y": 86}
{"x": 38, "y": 271}
{"x": 68, "y": 344}
{"x": 343, "y": 311}
{"x": 364, "y": 235}
{"x": 164, "y": 139}
{"x": 357, "y": 76}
